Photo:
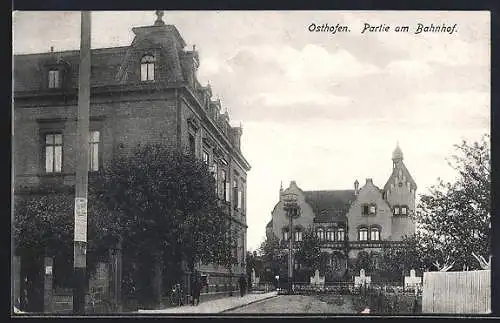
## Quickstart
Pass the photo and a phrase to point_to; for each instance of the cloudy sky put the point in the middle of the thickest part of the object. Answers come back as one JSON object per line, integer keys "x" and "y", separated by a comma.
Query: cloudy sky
{"x": 319, "y": 108}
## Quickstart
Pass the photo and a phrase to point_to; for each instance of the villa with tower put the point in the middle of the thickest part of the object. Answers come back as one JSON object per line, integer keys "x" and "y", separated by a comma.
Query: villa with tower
{"x": 352, "y": 223}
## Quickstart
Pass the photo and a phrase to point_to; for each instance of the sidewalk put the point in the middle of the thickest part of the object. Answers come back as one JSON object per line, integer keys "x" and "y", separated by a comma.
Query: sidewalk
{"x": 216, "y": 305}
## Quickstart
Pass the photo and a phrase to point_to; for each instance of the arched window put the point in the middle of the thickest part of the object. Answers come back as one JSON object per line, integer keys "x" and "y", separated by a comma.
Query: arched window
{"x": 321, "y": 234}
{"x": 147, "y": 68}
{"x": 375, "y": 234}
{"x": 54, "y": 79}
{"x": 298, "y": 234}
{"x": 285, "y": 234}
{"x": 362, "y": 234}
{"x": 340, "y": 234}
{"x": 330, "y": 234}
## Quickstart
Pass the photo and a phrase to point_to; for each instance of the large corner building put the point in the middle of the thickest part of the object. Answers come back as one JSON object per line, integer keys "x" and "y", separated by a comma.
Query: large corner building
{"x": 146, "y": 92}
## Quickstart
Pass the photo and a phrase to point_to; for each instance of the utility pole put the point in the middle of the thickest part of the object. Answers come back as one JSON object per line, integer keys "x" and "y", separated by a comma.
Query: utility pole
{"x": 82, "y": 167}
{"x": 290, "y": 248}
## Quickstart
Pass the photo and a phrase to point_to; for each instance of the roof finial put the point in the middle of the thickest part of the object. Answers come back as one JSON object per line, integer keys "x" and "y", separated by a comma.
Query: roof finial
{"x": 281, "y": 185}
{"x": 159, "y": 20}
{"x": 397, "y": 154}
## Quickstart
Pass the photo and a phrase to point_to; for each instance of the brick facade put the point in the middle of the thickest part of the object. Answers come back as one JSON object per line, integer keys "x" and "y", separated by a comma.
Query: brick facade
{"x": 127, "y": 112}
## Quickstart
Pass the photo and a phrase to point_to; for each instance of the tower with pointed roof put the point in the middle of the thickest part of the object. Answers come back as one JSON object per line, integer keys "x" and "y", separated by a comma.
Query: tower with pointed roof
{"x": 400, "y": 192}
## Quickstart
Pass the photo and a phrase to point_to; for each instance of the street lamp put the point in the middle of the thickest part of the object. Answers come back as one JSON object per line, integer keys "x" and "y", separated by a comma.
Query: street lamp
{"x": 292, "y": 209}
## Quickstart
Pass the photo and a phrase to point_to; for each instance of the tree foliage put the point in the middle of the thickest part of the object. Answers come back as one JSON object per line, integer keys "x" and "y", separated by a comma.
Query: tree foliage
{"x": 164, "y": 204}
{"x": 309, "y": 250}
{"x": 44, "y": 226}
{"x": 269, "y": 249}
{"x": 454, "y": 218}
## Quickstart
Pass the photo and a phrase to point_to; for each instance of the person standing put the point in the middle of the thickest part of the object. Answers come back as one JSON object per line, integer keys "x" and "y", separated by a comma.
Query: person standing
{"x": 241, "y": 282}
{"x": 197, "y": 290}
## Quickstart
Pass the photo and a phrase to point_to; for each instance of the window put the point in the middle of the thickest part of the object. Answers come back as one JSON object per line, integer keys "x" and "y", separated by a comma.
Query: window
{"x": 321, "y": 234}
{"x": 340, "y": 234}
{"x": 298, "y": 235}
{"x": 235, "y": 194}
{"x": 375, "y": 234}
{"x": 205, "y": 157}
{"x": 53, "y": 153}
{"x": 369, "y": 209}
{"x": 330, "y": 234}
{"x": 285, "y": 234}
{"x": 404, "y": 210}
{"x": 148, "y": 68}
{"x": 94, "y": 151}
{"x": 362, "y": 234}
{"x": 225, "y": 186}
{"x": 396, "y": 210}
{"x": 54, "y": 79}
{"x": 215, "y": 173}
{"x": 192, "y": 145}
{"x": 242, "y": 199}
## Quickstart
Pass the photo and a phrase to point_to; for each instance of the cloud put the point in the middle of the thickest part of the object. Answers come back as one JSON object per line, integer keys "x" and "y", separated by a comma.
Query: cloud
{"x": 290, "y": 98}
{"x": 468, "y": 109}
{"x": 408, "y": 68}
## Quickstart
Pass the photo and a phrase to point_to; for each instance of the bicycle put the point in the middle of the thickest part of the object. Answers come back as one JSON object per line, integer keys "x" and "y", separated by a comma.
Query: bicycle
{"x": 176, "y": 295}
{"x": 97, "y": 304}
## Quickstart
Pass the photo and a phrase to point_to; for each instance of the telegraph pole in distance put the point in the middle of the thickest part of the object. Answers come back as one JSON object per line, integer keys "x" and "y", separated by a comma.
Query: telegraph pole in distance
{"x": 82, "y": 167}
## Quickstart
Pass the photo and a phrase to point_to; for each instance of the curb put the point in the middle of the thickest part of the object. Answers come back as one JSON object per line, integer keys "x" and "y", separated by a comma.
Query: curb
{"x": 253, "y": 302}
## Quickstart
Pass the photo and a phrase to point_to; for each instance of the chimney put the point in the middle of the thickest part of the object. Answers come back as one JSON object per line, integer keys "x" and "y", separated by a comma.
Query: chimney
{"x": 356, "y": 187}
{"x": 281, "y": 189}
{"x": 369, "y": 181}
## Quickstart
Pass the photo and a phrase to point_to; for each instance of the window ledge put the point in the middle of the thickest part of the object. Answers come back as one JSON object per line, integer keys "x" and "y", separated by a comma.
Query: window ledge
{"x": 53, "y": 175}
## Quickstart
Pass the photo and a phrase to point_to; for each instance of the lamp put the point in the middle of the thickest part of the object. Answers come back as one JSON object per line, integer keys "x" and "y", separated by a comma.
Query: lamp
{"x": 292, "y": 209}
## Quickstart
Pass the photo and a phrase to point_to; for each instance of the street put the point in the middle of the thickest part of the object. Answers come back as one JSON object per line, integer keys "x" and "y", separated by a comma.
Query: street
{"x": 301, "y": 304}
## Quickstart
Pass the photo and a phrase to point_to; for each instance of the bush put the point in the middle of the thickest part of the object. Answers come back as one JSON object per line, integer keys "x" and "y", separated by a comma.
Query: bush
{"x": 387, "y": 303}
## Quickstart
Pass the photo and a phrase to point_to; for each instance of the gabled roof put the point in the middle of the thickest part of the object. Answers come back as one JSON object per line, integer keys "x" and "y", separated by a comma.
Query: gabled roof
{"x": 330, "y": 206}
{"x": 406, "y": 173}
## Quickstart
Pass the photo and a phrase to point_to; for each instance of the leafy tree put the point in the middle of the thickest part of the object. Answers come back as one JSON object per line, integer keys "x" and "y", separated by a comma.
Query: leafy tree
{"x": 454, "y": 218}
{"x": 269, "y": 249}
{"x": 44, "y": 225}
{"x": 271, "y": 257}
{"x": 309, "y": 251}
{"x": 165, "y": 209}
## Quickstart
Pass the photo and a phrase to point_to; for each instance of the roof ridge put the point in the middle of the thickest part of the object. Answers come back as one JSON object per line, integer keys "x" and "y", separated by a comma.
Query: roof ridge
{"x": 70, "y": 50}
{"x": 339, "y": 190}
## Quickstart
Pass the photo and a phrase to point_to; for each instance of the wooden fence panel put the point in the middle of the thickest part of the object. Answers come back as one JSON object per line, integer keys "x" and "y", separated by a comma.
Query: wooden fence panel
{"x": 457, "y": 292}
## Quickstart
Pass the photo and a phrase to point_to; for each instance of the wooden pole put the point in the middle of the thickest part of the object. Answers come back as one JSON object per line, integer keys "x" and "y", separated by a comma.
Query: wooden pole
{"x": 82, "y": 167}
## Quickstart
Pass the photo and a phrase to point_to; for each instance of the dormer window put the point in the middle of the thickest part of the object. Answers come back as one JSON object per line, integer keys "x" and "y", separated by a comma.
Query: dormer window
{"x": 54, "y": 79}
{"x": 404, "y": 210}
{"x": 148, "y": 68}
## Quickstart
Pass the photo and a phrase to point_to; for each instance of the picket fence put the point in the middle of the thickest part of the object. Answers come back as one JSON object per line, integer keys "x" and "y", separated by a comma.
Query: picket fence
{"x": 464, "y": 292}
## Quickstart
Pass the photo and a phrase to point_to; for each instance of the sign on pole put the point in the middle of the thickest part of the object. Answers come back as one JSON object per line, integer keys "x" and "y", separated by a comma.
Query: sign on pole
{"x": 81, "y": 219}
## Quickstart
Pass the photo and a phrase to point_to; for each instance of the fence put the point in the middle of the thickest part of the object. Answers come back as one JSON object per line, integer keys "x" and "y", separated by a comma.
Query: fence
{"x": 457, "y": 292}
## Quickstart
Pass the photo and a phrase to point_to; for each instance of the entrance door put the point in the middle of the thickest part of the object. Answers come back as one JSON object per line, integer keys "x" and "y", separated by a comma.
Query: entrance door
{"x": 32, "y": 277}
